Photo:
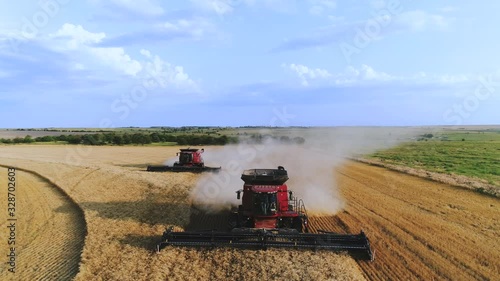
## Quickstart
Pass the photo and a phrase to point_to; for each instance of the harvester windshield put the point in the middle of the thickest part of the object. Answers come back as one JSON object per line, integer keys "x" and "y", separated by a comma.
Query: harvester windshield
{"x": 264, "y": 204}
{"x": 186, "y": 157}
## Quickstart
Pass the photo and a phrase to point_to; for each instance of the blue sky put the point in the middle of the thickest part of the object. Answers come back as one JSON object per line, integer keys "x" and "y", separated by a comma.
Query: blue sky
{"x": 97, "y": 63}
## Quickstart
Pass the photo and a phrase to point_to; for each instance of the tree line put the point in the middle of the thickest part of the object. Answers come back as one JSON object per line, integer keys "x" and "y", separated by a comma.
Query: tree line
{"x": 126, "y": 138}
{"x": 142, "y": 138}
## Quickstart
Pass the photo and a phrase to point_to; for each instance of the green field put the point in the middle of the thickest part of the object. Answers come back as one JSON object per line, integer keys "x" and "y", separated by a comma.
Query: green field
{"x": 474, "y": 153}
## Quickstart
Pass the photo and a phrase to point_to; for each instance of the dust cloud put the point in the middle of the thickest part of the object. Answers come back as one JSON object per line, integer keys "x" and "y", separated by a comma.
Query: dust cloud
{"x": 310, "y": 165}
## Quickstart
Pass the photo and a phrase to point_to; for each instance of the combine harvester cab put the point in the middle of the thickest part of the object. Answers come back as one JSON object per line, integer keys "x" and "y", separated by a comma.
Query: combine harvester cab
{"x": 267, "y": 203}
{"x": 269, "y": 216}
{"x": 190, "y": 160}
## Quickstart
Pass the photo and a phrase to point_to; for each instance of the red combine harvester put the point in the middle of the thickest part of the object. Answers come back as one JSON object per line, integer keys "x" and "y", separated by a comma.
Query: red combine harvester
{"x": 269, "y": 216}
{"x": 267, "y": 203}
{"x": 190, "y": 160}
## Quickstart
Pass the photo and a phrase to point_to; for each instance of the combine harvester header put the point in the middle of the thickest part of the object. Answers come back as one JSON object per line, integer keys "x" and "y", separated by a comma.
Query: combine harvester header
{"x": 269, "y": 216}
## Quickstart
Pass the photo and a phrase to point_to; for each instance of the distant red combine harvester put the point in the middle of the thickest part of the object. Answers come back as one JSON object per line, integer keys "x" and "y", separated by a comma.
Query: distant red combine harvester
{"x": 190, "y": 160}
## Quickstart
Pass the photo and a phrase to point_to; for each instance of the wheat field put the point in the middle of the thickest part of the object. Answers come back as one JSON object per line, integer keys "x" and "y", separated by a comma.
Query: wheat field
{"x": 126, "y": 210}
{"x": 419, "y": 229}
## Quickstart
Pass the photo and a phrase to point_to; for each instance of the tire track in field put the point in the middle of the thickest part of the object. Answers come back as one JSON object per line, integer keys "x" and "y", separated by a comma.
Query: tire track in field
{"x": 385, "y": 222}
{"x": 420, "y": 232}
{"x": 416, "y": 234}
{"x": 50, "y": 230}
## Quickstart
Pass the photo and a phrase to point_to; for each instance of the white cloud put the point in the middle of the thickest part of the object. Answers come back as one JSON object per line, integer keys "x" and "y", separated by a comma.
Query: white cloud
{"x": 378, "y": 26}
{"x": 351, "y": 75}
{"x": 74, "y": 38}
{"x": 164, "y": 74}
{"x": 453, "y": 79}
{"x": 194, "y": 28}
{"x": 366, "y": 74}
{"x": 448, "y": 79}
{"x": 320, "y": 6}
{"x": 77, "y": 36}
{"x": 419, "y": 20}
{"x": 281, "y": 6}
{"x": 145, "y": 53}
{"x": 220, "y": 7}
{"x": 79, "y": 44}
{"x": 223, "y": 7}
{"x": 307, "y": 74}
{"x": 117, "y": 59}
{"x": 144, "y": 7}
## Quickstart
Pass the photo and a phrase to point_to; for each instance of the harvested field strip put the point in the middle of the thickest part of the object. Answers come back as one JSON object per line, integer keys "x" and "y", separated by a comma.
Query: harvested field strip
{"x": 422, "y": 229}
{"x": 50, "y": 230}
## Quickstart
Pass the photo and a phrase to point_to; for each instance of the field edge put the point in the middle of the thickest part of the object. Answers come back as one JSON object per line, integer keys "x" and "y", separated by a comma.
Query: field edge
{"x": 460, "y": 181}
{"x": 81, "y": 213}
